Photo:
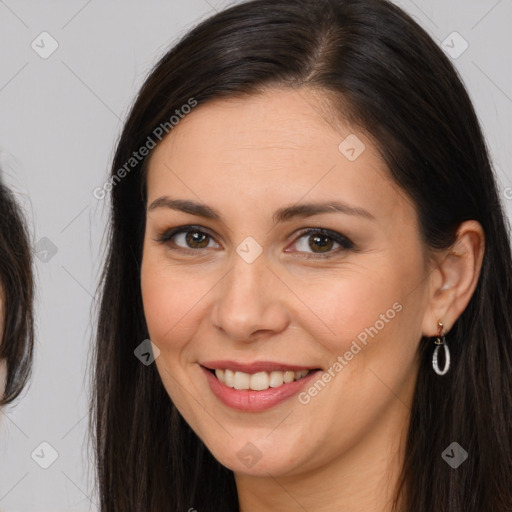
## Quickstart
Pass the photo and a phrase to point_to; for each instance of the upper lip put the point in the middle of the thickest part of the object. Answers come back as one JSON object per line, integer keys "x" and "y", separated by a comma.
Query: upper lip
{"x": 257, "y": 366}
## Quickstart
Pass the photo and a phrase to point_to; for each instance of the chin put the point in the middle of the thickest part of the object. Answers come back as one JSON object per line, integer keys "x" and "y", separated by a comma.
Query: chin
{"x": 252, "y": 459}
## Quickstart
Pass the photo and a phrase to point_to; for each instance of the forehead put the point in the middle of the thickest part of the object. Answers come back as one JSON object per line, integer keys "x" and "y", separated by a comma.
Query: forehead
{"x": 268, "y": 149}
{"x": 280, "y": 121}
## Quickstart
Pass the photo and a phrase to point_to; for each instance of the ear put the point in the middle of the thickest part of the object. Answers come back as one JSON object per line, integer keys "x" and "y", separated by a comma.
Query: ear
{"x": 454, "y": 277}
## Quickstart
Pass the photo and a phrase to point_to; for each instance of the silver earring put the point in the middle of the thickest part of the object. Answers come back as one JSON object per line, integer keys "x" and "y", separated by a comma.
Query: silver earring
{"x": 441, "y": 341}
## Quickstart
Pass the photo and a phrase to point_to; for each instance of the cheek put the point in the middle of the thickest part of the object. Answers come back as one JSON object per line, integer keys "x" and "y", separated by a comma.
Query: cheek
{"x": 372, "y": 311}
{"x": 171, "y": 302}
{"x": 346, "y": 304}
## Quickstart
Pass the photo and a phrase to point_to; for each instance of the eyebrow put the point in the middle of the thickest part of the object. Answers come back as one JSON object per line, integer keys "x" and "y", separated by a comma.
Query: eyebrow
{"x": 280, "y": 215}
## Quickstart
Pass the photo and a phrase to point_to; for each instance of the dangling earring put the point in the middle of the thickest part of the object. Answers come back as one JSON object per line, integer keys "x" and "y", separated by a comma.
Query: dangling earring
{"x": 441, "y": 340}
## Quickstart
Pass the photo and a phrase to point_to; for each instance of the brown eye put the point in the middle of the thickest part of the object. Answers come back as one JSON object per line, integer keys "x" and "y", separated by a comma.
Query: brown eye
{"x": 316, "y": 242}
{"x": 322, "y": 242}
{"x": 187, "y": 237}
{"x": 196, "y": 239}
{"x": 319, "y": 242}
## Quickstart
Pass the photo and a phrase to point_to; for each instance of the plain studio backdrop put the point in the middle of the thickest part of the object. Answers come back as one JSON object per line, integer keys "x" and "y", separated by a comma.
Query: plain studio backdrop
{"x": 69, "y": 72}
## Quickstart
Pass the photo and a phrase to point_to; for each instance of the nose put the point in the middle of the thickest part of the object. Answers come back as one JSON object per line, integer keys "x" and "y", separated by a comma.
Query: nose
{"x": 250, "y": 301}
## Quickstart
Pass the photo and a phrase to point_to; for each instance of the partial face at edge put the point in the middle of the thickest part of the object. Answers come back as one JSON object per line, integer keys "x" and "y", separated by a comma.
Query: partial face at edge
{"x": 306, "y": 300}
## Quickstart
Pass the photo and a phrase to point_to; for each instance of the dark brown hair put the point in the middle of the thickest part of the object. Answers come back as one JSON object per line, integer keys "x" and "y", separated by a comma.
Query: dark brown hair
{"x": 17, "y": 292}
{"x": 383, "y": 73}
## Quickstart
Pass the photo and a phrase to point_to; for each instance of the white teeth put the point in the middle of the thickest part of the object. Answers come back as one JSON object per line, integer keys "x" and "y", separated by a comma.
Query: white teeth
{"x": 276, "y": 379}
{"x": 288, "y": 376}
{"x": 241, "y": 380}
{"x": 229, "y": 378}
{"x": 258, "y": 381}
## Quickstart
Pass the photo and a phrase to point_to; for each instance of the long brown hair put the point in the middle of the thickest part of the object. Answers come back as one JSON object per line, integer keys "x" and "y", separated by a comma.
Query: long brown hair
{"x": 17, "y": 293}
{"x": 383, "y": 73}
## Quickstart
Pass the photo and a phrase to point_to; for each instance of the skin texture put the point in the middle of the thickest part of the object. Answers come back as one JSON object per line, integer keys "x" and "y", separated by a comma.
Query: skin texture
{"x": 247, "y": 158}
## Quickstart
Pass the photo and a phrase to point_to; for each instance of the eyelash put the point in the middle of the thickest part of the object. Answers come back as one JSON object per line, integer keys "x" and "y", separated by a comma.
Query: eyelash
{"x": 344, "y": 242}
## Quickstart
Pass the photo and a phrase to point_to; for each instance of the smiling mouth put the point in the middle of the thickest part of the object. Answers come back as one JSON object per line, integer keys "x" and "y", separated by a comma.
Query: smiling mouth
{"x": 259, "y": 381}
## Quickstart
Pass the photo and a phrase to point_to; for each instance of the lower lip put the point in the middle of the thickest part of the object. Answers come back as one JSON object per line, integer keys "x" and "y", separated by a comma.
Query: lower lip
{"x": 248, "y": 400}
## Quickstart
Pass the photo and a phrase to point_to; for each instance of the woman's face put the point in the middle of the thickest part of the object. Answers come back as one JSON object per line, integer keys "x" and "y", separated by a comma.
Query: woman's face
{"x": 251, "y": 286}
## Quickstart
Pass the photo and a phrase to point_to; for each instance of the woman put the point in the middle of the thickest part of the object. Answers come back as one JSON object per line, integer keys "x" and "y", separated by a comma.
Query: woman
{"x": 16, "y": 299}
{"x": 306, "y": 226}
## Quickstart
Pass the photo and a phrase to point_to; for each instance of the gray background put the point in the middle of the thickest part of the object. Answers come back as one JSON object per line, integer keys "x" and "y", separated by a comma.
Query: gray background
{"x": 59, "y": 119}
